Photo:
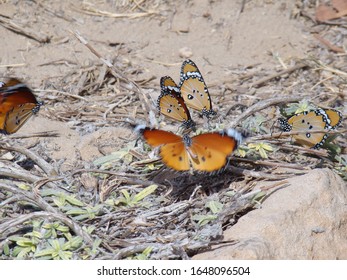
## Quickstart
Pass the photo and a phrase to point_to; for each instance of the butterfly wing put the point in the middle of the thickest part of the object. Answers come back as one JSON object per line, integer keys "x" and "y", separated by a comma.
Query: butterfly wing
{"x": 17, "y": 105}
{"x": 211, "y": 150}
{"x": 306, "y": 122}
{"x": 194, "y": 90}
{"x": 14, "y": 92}
{"x": 172, "y": 148}
{"x": 205, "y": 152}
{"x": 171, "y": 104}
{"x": 334, "y": 116}
{"x": 17, "y": 116}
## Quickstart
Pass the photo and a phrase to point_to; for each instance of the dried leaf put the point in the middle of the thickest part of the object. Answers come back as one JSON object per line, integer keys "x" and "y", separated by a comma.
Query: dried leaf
{"x": 339, "y": 5}
{"x": 324, "y": 13}
{"x": 329, "y": 45}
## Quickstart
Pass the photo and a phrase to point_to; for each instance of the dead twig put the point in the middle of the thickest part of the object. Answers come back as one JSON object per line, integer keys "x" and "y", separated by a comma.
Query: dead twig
{"x": 22, "y": 175}
{"x": 89, "y": 10}
{"x": 270, "y": 163}
{"x": 43, "y": 134}
{"x": 30, "y": 197}
{"x": 44, "y": 165}
{"x": 261, "y": 106}
{"x": 256, "y": 174}
{"x": 15, "y": 27}
{"x": 322, "y": 66}
{"x": 118, "y": 74}
{"x": 329, "y": 45}
{"x": 275, "y": 75}
{"x": 295, "y": 149}
{"x": 12, "y": 65}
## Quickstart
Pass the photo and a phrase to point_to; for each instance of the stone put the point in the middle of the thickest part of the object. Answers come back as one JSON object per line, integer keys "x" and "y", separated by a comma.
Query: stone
{"x": 306, "y": 220}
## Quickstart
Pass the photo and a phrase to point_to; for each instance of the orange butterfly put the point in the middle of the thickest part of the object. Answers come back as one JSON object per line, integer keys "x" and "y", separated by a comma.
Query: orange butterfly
{"x": 17, "y": 105}
{"x": 205, "y": 152}
{"x": 194, "y": 90}
{"x": 171, "y": 104}
{"x": 319, "y": 119}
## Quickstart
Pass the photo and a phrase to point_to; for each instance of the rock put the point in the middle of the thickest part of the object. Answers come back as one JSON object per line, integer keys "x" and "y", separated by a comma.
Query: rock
{"x": 106, "y": 140}
{"x": 306, "y": 220}
{"x": 185, "y": 52}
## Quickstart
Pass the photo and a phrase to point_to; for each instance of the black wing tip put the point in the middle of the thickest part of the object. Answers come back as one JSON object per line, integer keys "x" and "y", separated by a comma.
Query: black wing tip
{"x": 162, "y": 79}
{"x": 140, "y": 128}
{"x": 208, "y": 113}
{"x": 188, "y": 61}
{"x": 284, "y": 125}
{"x": 37, "y": 108}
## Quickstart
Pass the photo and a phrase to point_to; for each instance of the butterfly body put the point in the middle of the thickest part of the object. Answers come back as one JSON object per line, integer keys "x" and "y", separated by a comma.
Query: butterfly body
{"x": 205, "y": 152}
{"x": 319, "y": 119}
{"x": 17, "y": 105}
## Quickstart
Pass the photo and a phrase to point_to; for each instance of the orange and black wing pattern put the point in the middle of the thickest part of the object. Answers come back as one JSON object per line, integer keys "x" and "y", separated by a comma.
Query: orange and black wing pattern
{"x": 172, "y": 150}
{"x": 194, "y": 90}
{"x": 17, "y": 105}
{"x": 171, "y": 104}
{"x": 205, "y": 152}
{"x": 319, "y": 119}
{"x": 211, "y": 150}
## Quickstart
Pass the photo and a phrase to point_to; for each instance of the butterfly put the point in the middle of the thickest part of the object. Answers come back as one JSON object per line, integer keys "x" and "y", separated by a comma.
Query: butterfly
{"x": 205, "y": 152}
{"x": 17, "y": 105}
{"x": 319, "y": 119}
{"x": 194, "y": 90}
{"x": 171, "y": 104}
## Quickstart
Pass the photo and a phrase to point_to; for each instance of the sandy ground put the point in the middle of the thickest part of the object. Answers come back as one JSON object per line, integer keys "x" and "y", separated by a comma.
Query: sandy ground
{"x": 221, "y": 40}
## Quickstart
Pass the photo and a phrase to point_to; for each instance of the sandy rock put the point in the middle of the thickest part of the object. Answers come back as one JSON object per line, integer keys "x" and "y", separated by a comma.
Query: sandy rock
{"x": 185, "y": 52}
{"x": 108, "y": 140}
{"x": 306, "y": 220}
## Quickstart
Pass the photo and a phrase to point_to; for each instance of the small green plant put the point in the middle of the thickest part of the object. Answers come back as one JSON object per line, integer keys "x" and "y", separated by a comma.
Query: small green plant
{"x": 52, "y": 229}
{"x": 61, "y": 199}
{"x": 214, "y": 206}
{"x": 261, "y": 147}
{"x": 204, "y": 219}
{"x": 341, "y": 167}
{"x": 131, "y": 200}
{"x": 59, "y": 249}
{"x": 25, "y": 245}
{"x": 90, "y": 252}
{"x": 255, "y": 124}
{"x": 45, "y": 241}
{"x": 87, "y": 212}
{"x": 142, "y": 256}
{"x": 297, "y": 108}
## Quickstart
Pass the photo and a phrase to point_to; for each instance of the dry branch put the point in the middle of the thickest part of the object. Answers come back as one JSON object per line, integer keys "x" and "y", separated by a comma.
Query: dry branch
{"x": 118, "y": 74}
{"x": 44, "y": 165}
{"x": 25, "y": 31}
{"x": 261, "y": 105}
{"x": 275, "y": 75}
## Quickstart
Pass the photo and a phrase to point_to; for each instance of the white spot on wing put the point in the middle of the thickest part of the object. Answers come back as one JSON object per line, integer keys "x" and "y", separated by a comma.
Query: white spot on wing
{"x": 139, "y": 128}
{"x": 235, "y": 134}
